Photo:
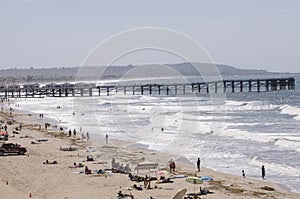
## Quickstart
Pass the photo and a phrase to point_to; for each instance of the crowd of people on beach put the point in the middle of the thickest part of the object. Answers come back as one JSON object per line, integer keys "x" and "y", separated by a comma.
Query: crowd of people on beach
{"x": 120, "y": 168}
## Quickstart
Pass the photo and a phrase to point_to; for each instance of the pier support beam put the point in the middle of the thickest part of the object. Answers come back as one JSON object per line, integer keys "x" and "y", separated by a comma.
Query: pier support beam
{"x": 274, "y": 85}
{"x": 241, "y": 86}
{"x": 267, "y": 85}
{"x": 291, "y": 84}
{"x": 216, "y": 87}
{"x": 250, "y": 86}
{"x": 282, "y": 84}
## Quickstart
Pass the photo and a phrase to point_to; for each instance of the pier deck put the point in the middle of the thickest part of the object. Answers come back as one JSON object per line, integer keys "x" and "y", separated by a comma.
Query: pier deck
{"x": 87, "y": 89}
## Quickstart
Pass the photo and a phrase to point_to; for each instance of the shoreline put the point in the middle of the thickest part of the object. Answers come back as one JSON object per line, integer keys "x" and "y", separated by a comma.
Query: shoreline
{"x": 127, "y": 153}
{"x": 186, "y": 161}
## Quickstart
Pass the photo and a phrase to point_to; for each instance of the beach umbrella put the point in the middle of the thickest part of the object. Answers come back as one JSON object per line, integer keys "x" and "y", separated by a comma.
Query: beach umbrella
{"x": 194, "y": 180}
{"x": 206, "y": 178}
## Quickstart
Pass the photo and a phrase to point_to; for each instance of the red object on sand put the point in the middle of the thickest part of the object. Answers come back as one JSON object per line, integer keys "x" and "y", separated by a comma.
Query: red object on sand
{"x": 3, "y": 133}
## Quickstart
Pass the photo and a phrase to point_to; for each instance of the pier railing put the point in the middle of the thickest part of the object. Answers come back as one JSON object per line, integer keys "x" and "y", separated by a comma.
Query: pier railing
{"x": 87, "y": 89}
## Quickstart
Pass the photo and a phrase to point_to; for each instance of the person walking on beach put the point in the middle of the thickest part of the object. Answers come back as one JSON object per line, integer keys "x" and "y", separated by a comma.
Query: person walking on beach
{"x": 198, "y": 163}
{"x": 74, "y": 132}
{"x": 87, "y": 136}
{"x": 106, "y": 139}
{"x": 172, "y": 166}
{"x": 243, "y": 173}
{"x": 263, "y": 172}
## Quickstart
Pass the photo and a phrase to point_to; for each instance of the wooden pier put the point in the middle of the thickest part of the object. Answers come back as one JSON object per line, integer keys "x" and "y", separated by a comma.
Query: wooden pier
{"x": 88, "y": 90}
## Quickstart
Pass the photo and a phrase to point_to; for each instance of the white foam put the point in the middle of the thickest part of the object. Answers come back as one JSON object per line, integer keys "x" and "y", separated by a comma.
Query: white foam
{"x": 291, "y": 110}
{"x": 251, "y": 106}
{"x": 276, "y": 168}
{"x": 288, "y": 144}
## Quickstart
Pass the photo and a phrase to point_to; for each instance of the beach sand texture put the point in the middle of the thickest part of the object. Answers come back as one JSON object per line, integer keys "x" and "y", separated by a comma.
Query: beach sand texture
{"x": 27, "y": 177}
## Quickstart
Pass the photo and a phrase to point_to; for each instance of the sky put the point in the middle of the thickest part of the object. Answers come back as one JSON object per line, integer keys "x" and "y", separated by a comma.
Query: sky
{"x": 253, "y": 34}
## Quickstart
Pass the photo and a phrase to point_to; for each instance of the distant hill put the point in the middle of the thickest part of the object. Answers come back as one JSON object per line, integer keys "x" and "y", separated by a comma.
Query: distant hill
{"x": 14, "y": 76}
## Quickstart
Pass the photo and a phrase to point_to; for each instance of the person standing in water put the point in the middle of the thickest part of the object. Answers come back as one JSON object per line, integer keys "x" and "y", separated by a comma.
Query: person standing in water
{"x": 263, "y": 172}
{"x": 243, "y": 173}
{"x": 198, "y": 163}
{"x": 106, "y": 138}
{"x": 87, "y": 136}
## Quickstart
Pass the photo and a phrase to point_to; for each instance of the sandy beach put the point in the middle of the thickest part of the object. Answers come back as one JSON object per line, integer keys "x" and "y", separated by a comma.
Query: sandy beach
{"x": 25, "y": 176}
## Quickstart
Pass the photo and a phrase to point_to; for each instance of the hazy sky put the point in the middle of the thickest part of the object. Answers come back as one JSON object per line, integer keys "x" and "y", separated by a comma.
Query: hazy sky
{"x": 262, "y": 34}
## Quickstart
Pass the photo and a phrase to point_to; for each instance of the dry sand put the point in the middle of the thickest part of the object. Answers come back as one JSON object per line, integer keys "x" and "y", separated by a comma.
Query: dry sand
{"x": 22, "y": 176}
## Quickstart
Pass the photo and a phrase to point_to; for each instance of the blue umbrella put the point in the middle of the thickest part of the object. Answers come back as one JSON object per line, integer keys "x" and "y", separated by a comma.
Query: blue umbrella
{"x": 206, "y": 178}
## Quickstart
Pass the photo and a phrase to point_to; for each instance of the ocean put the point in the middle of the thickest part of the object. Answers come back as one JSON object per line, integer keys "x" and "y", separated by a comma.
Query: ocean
{"x": 230, "y": 133}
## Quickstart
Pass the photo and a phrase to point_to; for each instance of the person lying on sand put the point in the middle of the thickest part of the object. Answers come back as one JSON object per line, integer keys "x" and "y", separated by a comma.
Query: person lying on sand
{"x": 192, "y": 197}
{"x": 89, "y": 159}
{"x": 47, "y": 162}
{"x": 204, "y": 191}
{"x": 139, "y": 188}
{"x": 42, "y": 140}
{"x": 124, "y": 195}
{"x": 164, "y": 180}
{"x": 26, "y": 136}
{"x": 99, "y": 162}
{"x": 75, "y": 165}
